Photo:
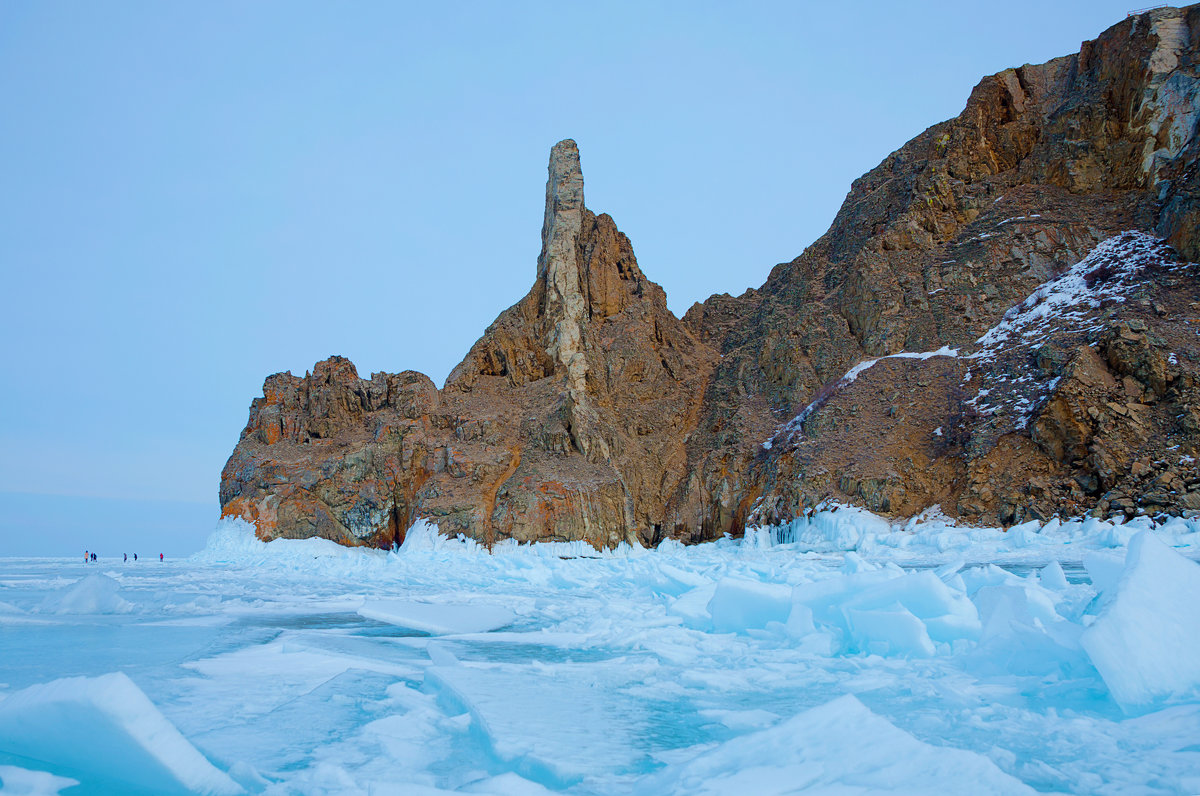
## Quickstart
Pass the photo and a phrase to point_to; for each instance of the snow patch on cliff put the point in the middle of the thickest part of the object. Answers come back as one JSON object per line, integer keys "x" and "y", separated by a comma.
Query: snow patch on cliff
{"x": 1107, "y": 274}
{"x": 1068, "y": 305}
{"x": 796, "y": 423}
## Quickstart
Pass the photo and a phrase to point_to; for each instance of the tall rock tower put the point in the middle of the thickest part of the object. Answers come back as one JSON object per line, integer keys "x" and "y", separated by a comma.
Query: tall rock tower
{"x": 568, "y": 419}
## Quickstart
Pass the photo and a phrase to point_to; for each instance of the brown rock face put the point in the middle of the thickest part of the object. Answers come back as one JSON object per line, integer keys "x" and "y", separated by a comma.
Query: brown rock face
{"x": 566, "y": 420}
{"x": 930, "y": 249}
{"x": 588, "y": 411}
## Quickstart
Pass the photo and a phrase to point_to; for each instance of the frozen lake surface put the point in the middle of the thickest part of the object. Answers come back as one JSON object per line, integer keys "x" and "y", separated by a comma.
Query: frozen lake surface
{"x": 836, "y": 655}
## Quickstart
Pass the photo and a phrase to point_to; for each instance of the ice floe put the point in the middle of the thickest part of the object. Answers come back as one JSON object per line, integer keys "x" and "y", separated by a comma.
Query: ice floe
{"x": 840, "y": 747}
{"x": 438, "y": 619}
{"x": 104, "y": 728}
{"x": 1146, "y": 642}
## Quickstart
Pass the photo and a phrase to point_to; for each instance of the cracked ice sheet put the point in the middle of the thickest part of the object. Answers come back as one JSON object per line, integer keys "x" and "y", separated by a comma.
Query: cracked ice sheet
{"x": 296, "y": 693}
{"x": 438, "y": 619}
{"x": 840, "y": 747}
{"x": 556, "y": 724}
{"x": 297, "y": 664}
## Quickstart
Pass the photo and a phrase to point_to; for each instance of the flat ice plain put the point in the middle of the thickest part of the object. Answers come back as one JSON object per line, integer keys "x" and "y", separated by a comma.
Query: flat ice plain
{"x": 837, "y": 654}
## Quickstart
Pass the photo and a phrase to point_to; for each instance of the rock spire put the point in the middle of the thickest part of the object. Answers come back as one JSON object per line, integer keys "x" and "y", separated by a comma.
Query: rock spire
{"x": 558, "y": 262}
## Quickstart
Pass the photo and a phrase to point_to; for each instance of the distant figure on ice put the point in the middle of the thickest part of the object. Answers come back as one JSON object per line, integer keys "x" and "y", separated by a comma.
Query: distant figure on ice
{"x": 160, "y": 558}
{"x": 135, "y": 556}
{"x": 126, "y": 556}
{"x": 87, "y": 556}
{"x": 93, "y": 556}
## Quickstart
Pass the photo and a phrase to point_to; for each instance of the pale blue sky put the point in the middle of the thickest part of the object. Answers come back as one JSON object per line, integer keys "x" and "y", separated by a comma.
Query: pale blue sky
{"x": 198, "y": 194}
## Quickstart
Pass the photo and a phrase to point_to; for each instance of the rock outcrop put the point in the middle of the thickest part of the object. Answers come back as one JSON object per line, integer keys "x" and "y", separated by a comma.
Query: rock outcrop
{"x": 931, "y": 248}
{"x": 566, "y": 420}
{"x": 588, "y": 411}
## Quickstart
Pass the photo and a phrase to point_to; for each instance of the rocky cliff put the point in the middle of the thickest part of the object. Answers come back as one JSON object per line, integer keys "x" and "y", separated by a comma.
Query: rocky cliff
{"x": 1039, "y": 243}
{"x": 566, "y": 420}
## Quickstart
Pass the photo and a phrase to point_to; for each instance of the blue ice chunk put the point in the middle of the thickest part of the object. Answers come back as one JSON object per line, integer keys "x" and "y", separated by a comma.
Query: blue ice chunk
{"x": 106, "y": 733}
{"x": 438, "y": 619}
{"x": 94, "y": 594}
{"x": 1104, "y": 569}
{"x": 739, "y": 605}
{"x": 889, "y": 631}
{"x": 1146, "y": 643}
{"x": 1053, "y": 577}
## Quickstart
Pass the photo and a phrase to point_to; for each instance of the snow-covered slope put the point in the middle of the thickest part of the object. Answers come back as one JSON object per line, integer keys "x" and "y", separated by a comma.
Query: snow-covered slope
{"x": 1067, "y": 302}
{"x": 1065, "y": 309}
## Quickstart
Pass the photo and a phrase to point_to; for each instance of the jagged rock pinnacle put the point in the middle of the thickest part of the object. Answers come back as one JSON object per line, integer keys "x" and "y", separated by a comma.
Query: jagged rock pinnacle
{"x": 558, "y": 263}
{"x": 564, "y": 204}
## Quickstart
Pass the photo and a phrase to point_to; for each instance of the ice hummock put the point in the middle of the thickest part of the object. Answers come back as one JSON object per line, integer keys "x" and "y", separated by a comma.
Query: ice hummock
{"x": 1146, "y": 643}
{"x": 94, "y": 594}
{"x": 104, "y": 728}
{"x": 833, "y": 528}
{"x": 739, "y": 605}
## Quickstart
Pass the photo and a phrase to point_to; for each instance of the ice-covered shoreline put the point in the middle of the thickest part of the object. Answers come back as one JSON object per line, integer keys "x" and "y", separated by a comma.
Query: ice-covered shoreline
{"x": 742, "y": 665}
{"x": 829, "y": 532}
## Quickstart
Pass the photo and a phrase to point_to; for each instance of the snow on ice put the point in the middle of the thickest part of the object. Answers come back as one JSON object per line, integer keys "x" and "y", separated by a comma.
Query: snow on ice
{"x": 836, "y": 653}
{"x": 16, "y": 781}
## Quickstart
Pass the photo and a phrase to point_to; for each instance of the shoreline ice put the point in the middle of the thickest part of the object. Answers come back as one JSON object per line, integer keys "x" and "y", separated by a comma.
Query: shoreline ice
{"x": 897, "y": 651}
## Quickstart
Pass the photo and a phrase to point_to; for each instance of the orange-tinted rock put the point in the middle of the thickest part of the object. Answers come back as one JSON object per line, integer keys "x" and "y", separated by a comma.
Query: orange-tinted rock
{"x": 566, "y": 420}
{"x": 588, "y": 411}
